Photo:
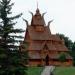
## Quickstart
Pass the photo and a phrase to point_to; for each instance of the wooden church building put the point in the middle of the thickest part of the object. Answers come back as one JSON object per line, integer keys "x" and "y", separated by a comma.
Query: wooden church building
{"x": 44, "y": 48}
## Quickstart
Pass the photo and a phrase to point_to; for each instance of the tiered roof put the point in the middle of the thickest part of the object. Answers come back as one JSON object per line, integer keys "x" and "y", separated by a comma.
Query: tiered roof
{"x": 45, "y": 36}
{"x": 37, "y": 19}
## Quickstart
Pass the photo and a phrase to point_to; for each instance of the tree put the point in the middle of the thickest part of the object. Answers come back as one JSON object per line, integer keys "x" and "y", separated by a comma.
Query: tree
{"x": 70, "y": 45}
{"x": 73, "y": 53}
{"x": 62, "y": 57}
{"x": 7, "y": 25}
{"x": 10, "y": 57}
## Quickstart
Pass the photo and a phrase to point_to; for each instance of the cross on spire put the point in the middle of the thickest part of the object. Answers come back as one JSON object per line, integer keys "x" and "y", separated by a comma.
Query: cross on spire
{"x": 37, "y": 4}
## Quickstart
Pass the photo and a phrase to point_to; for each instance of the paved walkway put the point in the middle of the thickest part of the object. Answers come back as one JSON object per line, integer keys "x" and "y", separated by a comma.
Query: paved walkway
{"x": 48, "y": 70}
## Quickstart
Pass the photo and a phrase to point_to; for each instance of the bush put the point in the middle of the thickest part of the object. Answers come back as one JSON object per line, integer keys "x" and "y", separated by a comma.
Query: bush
{"x": 74, "y": 62}
{"x": 62, "y": 57}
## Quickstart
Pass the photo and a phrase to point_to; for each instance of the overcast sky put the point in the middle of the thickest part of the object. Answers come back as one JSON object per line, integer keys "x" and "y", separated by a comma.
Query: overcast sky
{"x": 61, "y": 11}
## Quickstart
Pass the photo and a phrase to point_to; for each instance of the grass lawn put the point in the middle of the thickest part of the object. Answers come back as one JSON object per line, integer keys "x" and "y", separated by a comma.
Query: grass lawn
{"x": 57, "y": 71}
{"x": 64, "y": 71}
{"x": 34, "y": 70}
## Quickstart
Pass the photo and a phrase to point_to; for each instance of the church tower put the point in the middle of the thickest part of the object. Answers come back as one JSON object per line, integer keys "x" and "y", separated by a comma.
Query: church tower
{"x": 44, "y": 48}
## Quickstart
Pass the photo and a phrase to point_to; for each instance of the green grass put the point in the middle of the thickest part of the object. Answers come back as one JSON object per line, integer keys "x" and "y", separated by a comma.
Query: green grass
{"x": 57, "y": 71}
{"x": 34, "y": 70}
{"x": 64, "y": 71}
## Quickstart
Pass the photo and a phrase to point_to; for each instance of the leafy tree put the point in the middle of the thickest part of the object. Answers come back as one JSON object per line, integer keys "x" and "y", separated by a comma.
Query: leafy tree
{"x": 62, "y": 57}
{"x": 73, "y": 53}
{"x": 10, "y": 56}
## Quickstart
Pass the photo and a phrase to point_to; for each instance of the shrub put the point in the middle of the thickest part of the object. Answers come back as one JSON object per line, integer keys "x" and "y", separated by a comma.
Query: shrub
{"x": 62, "y": 57}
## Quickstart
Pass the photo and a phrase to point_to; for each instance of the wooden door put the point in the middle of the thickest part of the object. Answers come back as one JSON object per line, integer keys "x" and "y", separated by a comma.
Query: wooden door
{"x": 47, "y": 60}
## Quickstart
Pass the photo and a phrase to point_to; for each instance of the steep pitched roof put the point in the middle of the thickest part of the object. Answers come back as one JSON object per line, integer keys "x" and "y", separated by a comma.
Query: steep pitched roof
{"x": 45, "y": 35}
{"x": 37, "y": 19}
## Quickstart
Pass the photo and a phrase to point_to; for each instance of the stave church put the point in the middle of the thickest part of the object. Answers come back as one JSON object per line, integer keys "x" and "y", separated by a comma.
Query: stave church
{"x": 44, "y": 48}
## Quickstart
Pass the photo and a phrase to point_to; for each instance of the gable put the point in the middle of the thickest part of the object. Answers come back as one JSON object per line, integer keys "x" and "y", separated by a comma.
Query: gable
{"x": 45, "y": 47}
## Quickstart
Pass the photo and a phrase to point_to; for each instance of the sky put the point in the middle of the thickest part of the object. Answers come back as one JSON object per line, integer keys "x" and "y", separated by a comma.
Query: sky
{"x": 62, "y": 12}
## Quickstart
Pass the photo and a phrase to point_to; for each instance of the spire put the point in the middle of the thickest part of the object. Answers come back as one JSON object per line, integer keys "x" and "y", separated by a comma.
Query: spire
{"x": 37, "y": 5}
{"x": 37, "y": 10}
{"x": 37, "y": 19}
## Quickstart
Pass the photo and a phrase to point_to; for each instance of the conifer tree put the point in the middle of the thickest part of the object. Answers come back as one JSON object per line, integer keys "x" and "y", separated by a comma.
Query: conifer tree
{"x": 7, "y": 25}
{"x": 10, "y": 57}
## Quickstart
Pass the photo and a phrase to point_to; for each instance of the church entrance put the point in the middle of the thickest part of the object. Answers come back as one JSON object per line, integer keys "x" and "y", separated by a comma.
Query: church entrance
{"x": 47, "y": 60}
